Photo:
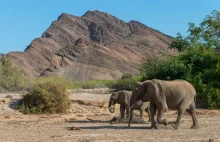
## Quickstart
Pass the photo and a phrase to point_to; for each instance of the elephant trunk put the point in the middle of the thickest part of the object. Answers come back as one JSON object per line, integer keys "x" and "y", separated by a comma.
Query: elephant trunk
{"x": 131, "y": 110}
{"x": 111, "y": 106}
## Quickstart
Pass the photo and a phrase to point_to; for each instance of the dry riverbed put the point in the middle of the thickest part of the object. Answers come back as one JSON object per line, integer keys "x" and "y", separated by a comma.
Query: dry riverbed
{"x": 89, "y": 115}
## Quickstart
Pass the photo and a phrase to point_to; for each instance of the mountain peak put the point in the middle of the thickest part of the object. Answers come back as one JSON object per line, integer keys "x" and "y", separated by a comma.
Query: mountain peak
{"x": 91, "y": 13}
{"x": 96, "y": 46}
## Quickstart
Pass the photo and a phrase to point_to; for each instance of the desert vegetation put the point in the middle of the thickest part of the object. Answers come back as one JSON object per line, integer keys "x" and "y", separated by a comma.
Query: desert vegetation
{"x": 11, "y": 77}
{"x": 126, "y": 82}
{"x": 48, "y": 95}
{"x": 198, "y": 61}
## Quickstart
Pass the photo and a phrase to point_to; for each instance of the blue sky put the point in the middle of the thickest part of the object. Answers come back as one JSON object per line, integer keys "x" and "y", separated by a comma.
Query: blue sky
{"x": 23, "y": 20}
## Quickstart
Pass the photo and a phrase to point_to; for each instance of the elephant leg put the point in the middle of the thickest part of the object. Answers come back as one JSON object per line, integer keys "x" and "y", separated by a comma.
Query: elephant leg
{"x": 194, "y": 117}
{"x": 148, "y": 112}
{"x": 178, "y": 121}
{"x": 160, "y": 115}
{"x": 142, "y": 109}
{"x": 153, "y": 109}
{"x": 141, "y": 114}
{"x": 127, "y": 111}
{"x": 131, "y": 117}
{"x": 122, "y": 111}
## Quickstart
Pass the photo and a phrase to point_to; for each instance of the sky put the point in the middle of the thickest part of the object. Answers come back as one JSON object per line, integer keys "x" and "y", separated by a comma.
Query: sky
{"x": 21, "y": 21}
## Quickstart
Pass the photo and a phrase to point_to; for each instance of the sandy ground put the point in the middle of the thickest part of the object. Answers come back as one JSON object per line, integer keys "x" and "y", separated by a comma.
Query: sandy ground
{"x": 89, "y": 112}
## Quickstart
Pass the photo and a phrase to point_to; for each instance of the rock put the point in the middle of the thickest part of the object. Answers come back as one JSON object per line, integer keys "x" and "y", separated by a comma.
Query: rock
{"x": 96, "y": 45}
{"x": 74, "y": 128}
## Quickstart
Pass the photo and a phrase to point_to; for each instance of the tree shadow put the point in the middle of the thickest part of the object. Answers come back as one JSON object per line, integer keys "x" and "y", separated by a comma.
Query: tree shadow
{"x": 14, "y": 103}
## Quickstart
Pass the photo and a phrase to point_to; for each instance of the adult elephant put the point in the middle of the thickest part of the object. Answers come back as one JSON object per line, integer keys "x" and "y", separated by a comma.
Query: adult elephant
{"x": 123, "y": 98}
{"x": 163, "y": 95}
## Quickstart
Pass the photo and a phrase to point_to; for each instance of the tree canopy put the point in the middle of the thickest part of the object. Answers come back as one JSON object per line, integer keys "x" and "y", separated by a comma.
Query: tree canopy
{"x": 198, "y": 61}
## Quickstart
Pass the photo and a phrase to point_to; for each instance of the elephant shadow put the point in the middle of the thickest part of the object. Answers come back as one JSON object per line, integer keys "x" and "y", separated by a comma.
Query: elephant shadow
{"x": 112, "y": 127}
{"x": 84, "y": 121}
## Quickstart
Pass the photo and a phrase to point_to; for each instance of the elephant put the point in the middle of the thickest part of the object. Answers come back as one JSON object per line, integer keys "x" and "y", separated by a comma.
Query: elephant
{"x": 163, "y": 95}
{"x": 123, "y": 98}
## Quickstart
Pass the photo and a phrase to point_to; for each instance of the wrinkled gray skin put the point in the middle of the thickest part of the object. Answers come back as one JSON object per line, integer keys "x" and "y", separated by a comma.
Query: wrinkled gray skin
{"x": 163, "y": 95}
{"x": 123, "y": 98}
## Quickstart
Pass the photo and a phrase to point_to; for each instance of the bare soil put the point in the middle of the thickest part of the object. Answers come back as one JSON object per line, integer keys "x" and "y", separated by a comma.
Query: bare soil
{"x": 88, "y": 120}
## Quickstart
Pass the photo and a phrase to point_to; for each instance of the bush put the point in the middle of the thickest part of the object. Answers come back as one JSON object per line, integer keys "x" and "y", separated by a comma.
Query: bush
{"x": 124, "y": 84}
{"x": 49, "y": 95}
{"x": 127, "y": 76}
{"x": 198, "y": 61}
{"x": 167, "y": 69}
{"x": 91, "y": 84}
{"x": 213, "y": 98}
{"x": 11, "y": 78}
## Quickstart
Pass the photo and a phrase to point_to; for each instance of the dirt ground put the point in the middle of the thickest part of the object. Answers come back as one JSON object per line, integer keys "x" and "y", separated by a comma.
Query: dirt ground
{"x": 89, "y": 113}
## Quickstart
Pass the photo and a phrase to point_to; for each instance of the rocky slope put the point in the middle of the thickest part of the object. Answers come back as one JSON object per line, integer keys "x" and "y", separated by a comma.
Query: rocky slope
{"x": 96, "y": 45}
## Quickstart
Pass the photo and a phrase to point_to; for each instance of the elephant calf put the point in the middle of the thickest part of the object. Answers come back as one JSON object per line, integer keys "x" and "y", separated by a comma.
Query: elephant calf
{"x": 123, "y": 98}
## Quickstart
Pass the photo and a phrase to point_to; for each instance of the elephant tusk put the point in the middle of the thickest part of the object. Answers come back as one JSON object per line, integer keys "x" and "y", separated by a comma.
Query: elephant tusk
{"x": 110, "y": 107}
{"x": 131, "y": 106}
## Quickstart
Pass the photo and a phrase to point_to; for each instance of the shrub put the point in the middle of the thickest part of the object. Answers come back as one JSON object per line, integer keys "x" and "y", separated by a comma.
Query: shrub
{"x": 127, "y": 76}
{"x": 11, "y": 78}
{"x": 213, "y": 98}
{"x": 90, "y": 84}
{"x": 49, "y": 95}
{"x": 198, "y": 62}
{"x": 167, "y": 69}
{"x": 124, "y": 84}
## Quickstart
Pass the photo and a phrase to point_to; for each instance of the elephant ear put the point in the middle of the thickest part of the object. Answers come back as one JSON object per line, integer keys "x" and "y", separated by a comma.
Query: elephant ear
{"x": 149, "y": 91}
{"x": 138, "y": 89}
{"x": 121, "y": 97}
{"x": 115, "y": 95}
{"x": 127, "y": 97}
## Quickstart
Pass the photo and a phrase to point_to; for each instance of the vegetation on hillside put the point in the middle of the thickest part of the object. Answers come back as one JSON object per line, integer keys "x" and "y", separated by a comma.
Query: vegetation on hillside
{"x": 198, "y": 60}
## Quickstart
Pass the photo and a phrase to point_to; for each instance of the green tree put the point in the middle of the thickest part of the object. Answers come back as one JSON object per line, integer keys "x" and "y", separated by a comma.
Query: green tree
{"x": 206, "y": 34}
{"x": 198, "y": 60}
{"x": 11, "y": 78}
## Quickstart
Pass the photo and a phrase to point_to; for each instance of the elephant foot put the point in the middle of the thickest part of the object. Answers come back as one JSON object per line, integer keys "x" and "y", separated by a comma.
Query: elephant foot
{"x": 149, "y": 120}
{"x": 165, "y": 122}
{"x": 129, "y": 125}
{"x": 175, "y": 126}
{"x": 153, "y": 127}
{"x": 194, "y": 127}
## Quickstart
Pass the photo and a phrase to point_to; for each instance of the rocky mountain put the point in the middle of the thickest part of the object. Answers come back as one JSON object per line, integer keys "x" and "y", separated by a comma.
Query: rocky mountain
{"x": 96, "y": 45}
